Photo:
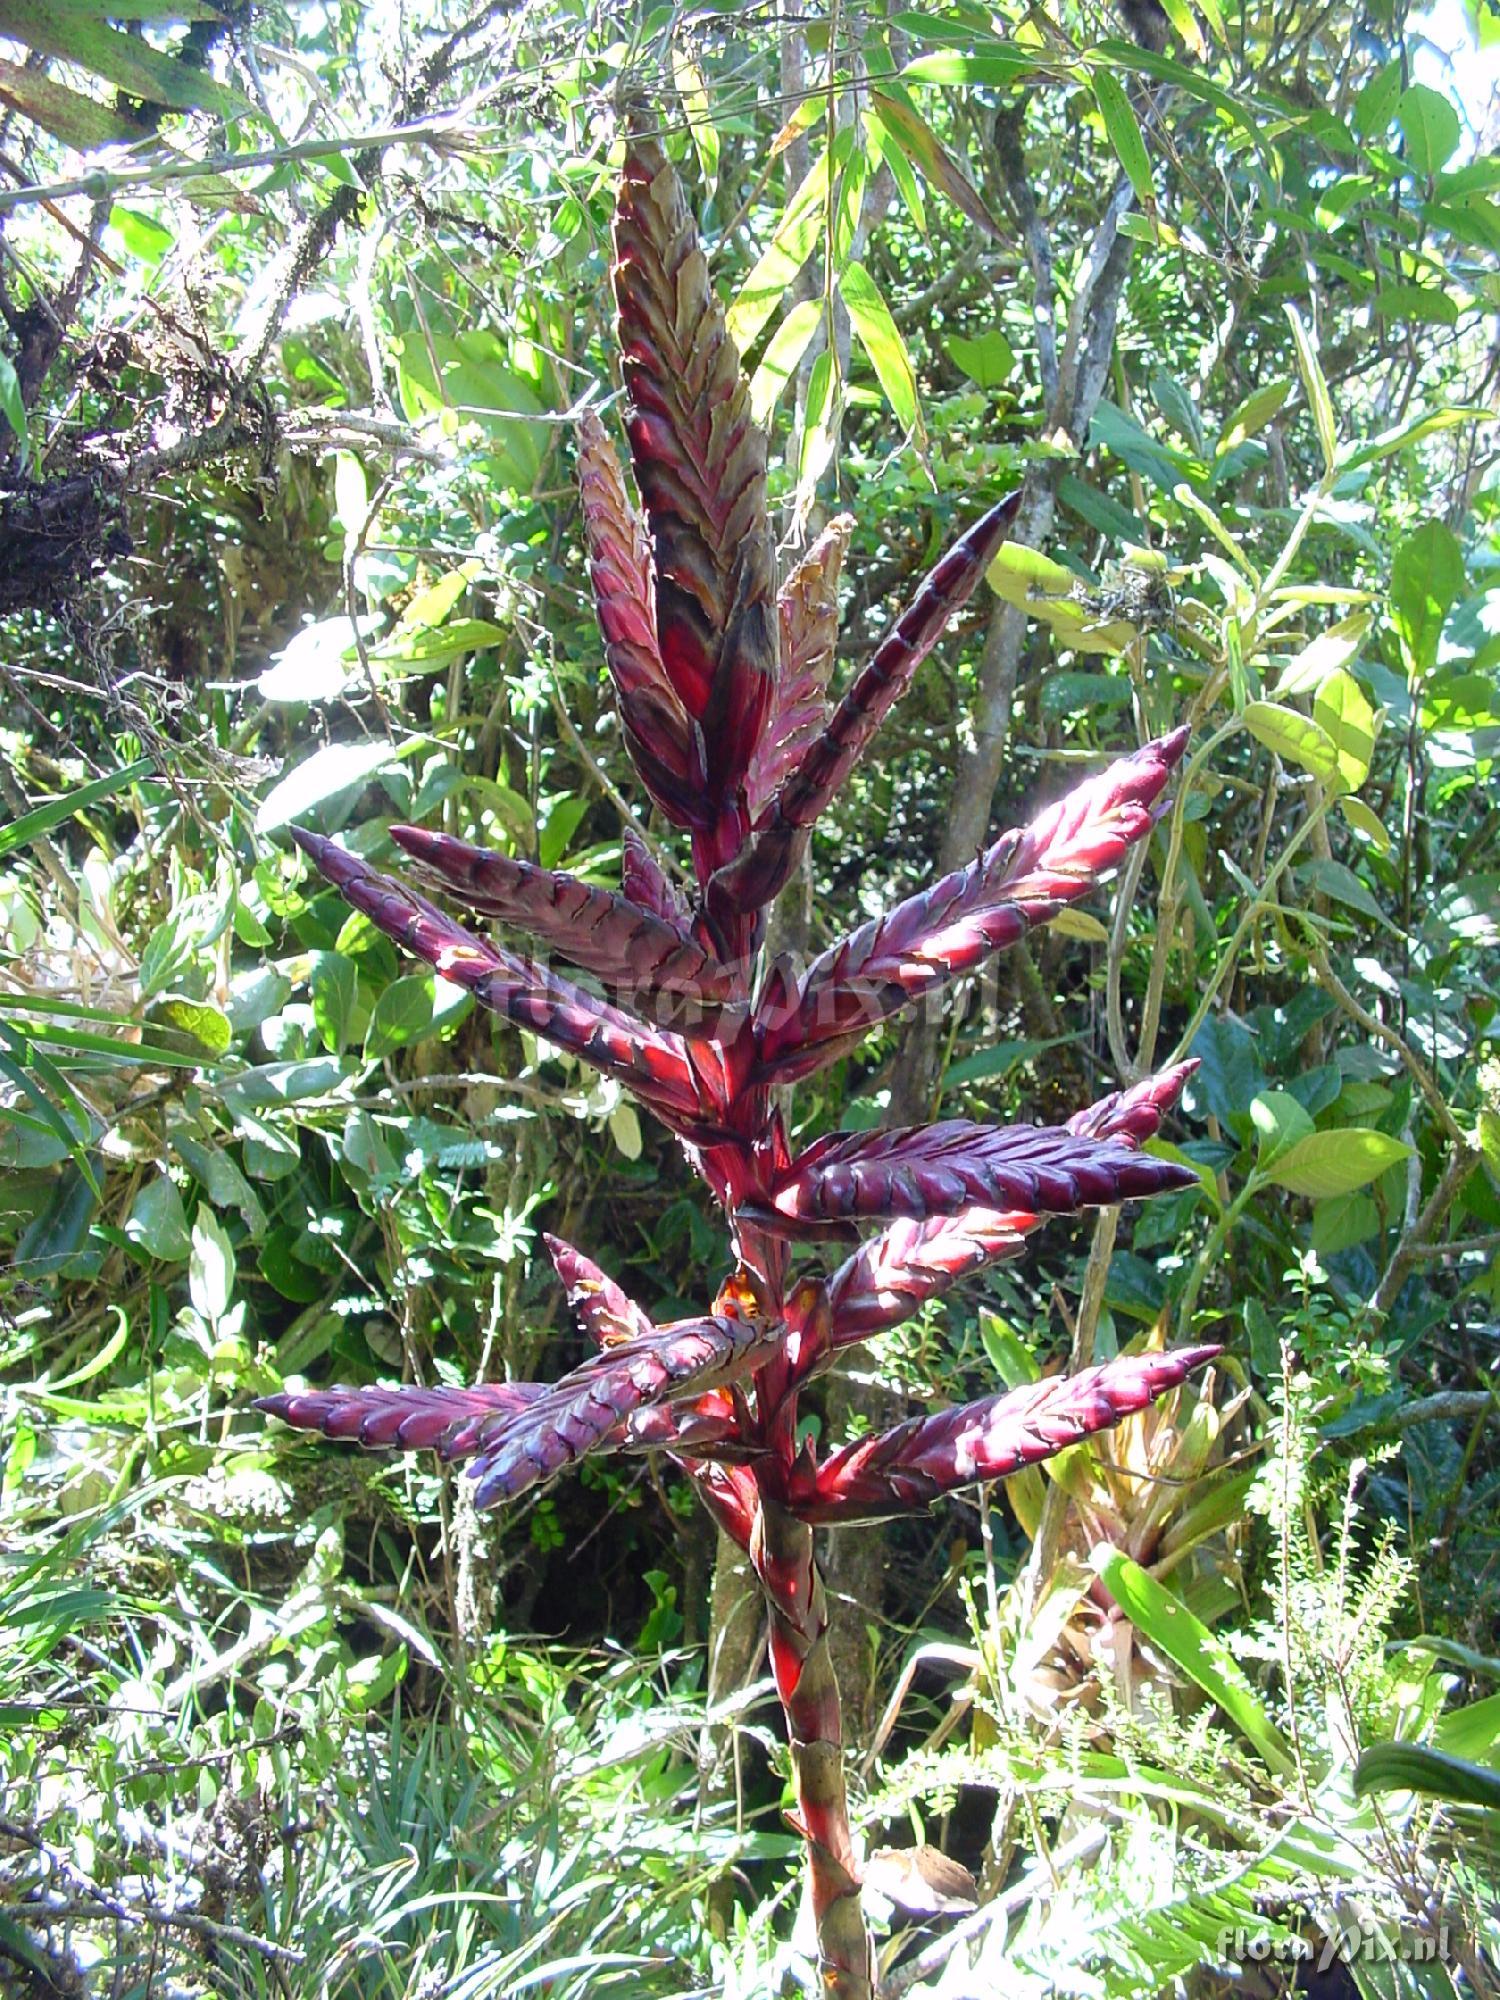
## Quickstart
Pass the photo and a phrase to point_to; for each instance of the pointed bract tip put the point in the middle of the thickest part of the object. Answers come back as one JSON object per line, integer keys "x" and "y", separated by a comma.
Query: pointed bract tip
{"x": 1170, "y": 748}
{"x": 418, "y": 841}
{"x": 1190, "y": 1359}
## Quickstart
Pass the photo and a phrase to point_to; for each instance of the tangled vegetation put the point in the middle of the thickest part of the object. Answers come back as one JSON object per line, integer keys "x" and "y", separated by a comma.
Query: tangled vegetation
{"x": 301, "y": 312}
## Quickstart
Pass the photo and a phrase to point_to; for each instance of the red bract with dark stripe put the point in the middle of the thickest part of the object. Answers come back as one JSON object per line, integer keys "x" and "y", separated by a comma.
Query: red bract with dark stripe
{"x": 723, "y": 686}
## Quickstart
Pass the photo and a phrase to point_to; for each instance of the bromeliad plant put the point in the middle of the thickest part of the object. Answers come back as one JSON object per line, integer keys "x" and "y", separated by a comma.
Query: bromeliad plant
{"x": 723, "y": 690}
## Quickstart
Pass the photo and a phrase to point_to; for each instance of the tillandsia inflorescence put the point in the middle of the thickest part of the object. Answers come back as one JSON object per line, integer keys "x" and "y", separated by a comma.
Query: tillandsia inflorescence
{"x": 722, "y": 683}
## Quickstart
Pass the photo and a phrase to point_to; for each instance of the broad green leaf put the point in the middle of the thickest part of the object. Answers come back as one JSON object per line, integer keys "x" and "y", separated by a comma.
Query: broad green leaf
{"x": 1124, "y": 130}
{"x": 564, "y": 816}
{"x": 1325, "y": 655}
{"x": 1294, "y": 737}
{"x": 1431, "y": 127}
{"x": 83, "y": 123}
{"x": 1168, "y": 1624}
{"x": 1364, "y": 819}
{"x": 784, "y": 350}
{"x": 336, "y": 768}
{"x": 158, "y": 1221}
{"x": 1424, "y": 303}
{"x": 1471, "y": 1731}
{"x": 820, "y": 418}
{"x": 1427, "y": 578}
{"x": 1254, "y": 413}
{"x": 334, "y": 986}
{"x": 1318, "y": 399}
{"x": 1413, "y": 1767}
{"x": 432, "y": 605}
{"x": 19, "y": 832}
{"x": 412, "y": 1008}
{"x": 197, "y": 1021}
{"x": 922, "y": 146}
{"x": 1345, "y": 716}
{"x": 890, "y": 151}
{"x": 880, "y": 337}
{"x": 988, "y": 359}
{"x": 1329, "y": 1163}
{"x": 1375, "y": 106}
{"x": 434, "y": 646}
{"x": 1185, "y": 21}
{"x": 211, "y": 1266}
{"x": 1280, "y": 1123}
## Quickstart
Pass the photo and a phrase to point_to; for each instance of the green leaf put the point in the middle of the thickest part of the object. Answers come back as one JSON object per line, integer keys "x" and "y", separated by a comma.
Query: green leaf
{"x": 412, "y": 1008}
{"x": 1364, "y": 819}
{"x": 1375, "y": 106}
{"x": 1124, "y": 130}
{"x": 197, "y": 1021}
{"x": 880, "y": 337}
{"x": 1294, "y": 737}
{"x": 11, "y": 406}
{"x": 988, "y": 359}
{"x": 211, "y": 1266}
{"x": 1345, "y": 716}
{"x": 1413, "y": 432}
{"x": 1412, "y": 1767}
{"x": 158, "y": 1221}
{"x": 1431, "y": 127}
{"x": 1427, "y": 578}
{"x": 789, "y": 249}
{"x": 1471, "y": 1731}
{"x": 1318, "y": 399}
{"x": 564, "y": 816}
{"x": 1325, "y": 655}
{"x": 80, "y": 122}
{"x": 336, "y": 768}
{"x": 922, "y": 146}
{"x": 334, "y": 986}
{"x": 1424, "y": 303}
{"x": 1280, "y": 1123}
{"x": 989, "y": 66}
{"x": 1166, "y": 1621}
{"x": 1329, "y": 1163}
{"x": 19, "y": 832}
{"x": 693, "y": 91}
{"x": 784, "y": 350}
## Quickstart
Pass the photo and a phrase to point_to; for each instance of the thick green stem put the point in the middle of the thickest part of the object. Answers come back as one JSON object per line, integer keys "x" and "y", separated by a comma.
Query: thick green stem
{"x": 782, "y": 1552}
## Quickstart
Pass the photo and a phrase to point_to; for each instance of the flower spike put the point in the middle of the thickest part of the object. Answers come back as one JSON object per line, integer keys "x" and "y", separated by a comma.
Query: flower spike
{"x": 917, "y": 1462}
{"x": 935, "y": 937}
{"x": 941, "y": 1169}
{"x": 765, "y": 864}
{"x": 700, "y": 464}
{"x": 649, "y": 1061}
{"x": 619, "y": 942}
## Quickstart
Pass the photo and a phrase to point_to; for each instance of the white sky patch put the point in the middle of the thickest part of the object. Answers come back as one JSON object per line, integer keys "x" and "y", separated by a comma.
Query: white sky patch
{"x": 1446, "y": 56}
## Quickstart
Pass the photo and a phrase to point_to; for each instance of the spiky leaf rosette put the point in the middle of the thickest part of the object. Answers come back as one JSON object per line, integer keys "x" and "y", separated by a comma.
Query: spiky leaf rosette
{"x": 944, "y": 932}
{"x": 808, "y": 615}
{"x": 764, "y": 865}
{"x": 653, "y": 1063}
{"x": 667, "y": 972}
{"x": 700, "y": 464}
{"x": 925, "y": 1170}
{"x": 892, "y": 1276}
{"x": 918, "y": 1461}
